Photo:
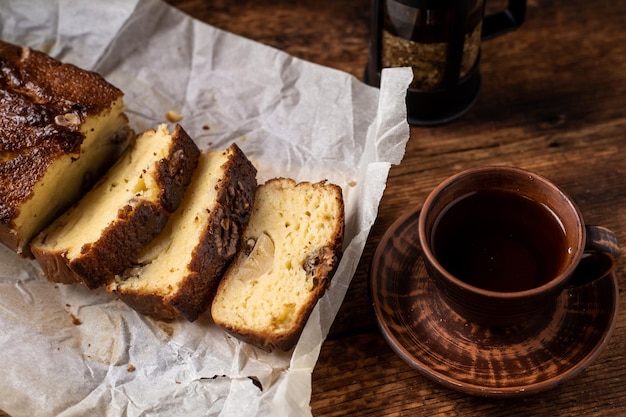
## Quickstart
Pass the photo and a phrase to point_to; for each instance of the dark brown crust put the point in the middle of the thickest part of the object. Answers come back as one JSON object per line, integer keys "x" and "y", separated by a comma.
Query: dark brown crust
{"x": 56, "y": 266}
{"x": 222, "y": 238}
{"x": 218, "y": 245}
{"x": 34, "y": 90}
{"x": 147, "y": 304}
{"x": 137, "y": 223}
{"x": 174, "y": 172}
{"x": 120, "y": 242}
{"x": 227, "y": 218}
{"x": 323, "y": 270}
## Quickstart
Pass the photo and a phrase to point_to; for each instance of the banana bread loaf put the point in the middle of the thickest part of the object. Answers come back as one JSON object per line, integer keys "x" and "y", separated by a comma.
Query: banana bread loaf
{"x": 178, "y": 273}
{"x": 61, "y": 128}
{"x": 292, "y": 247}
{"x": 100, "y": 236}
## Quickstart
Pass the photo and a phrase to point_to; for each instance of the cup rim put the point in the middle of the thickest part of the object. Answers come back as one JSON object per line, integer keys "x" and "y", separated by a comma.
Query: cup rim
{"x": 557, "y": 281}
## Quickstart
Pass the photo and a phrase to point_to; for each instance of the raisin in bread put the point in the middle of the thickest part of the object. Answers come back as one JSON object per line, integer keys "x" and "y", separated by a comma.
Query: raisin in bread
{"x": 178, "y": 273}
{"x": 61, "y": 128}
{"x": 292, "y": 247}
{"x": 100, "y": 236}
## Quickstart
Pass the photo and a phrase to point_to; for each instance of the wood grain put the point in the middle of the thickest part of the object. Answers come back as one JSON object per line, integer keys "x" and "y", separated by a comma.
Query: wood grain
{"x": 553, "y": 101}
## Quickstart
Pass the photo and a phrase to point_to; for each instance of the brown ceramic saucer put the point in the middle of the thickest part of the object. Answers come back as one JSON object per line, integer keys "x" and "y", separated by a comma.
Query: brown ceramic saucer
{"x": 520, "y": 360}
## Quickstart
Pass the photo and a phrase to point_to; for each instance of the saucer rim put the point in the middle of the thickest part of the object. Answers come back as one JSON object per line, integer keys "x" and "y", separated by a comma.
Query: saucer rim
{"x": 410, "y": 218}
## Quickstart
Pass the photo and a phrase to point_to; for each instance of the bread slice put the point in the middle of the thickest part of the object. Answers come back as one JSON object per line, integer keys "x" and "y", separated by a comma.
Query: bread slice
{"x": 178, "y": 273}
{"x": 62, "y": 127}
{"x": 100, "y": 236}
{"x": 293, "y": 244}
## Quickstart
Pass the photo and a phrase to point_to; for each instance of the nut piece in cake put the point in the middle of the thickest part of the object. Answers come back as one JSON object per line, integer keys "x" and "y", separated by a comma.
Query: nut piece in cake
{"x": 61, "y": 128}
{"x": 292, "y": 247}
{"x": 100, "y": 236}
{"x": 178, "y": 273}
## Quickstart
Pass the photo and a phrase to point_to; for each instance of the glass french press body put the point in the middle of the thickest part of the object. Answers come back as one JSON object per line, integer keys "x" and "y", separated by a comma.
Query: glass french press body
{"x": 440, "y": 40}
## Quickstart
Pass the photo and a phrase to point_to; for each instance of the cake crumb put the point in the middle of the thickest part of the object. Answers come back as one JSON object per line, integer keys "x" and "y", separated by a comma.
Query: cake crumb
{"x": 130, "y": 368}
{"x": 352, "y": 183}
{"x": 173, "y": 116}
{"x": 75, "y": 320}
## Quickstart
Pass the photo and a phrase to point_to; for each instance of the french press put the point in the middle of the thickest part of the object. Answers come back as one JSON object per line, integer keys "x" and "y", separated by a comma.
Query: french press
{"x": 440, "y": 41}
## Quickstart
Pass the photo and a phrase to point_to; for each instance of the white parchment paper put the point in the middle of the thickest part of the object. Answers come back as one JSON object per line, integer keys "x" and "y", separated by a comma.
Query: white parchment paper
{"x": 68, "y": 351}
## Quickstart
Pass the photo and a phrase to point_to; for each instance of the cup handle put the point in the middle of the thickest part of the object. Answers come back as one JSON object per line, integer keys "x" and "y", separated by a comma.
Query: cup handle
{"x": 601, "y": 254}
{"x": 505, "y": 21}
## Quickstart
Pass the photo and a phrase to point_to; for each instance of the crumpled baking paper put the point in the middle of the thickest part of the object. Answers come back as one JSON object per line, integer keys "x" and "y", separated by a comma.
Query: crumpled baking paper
{"x": 68, "y": 351}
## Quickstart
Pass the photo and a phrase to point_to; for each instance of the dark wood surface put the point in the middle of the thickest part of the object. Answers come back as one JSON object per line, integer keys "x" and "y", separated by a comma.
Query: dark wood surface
{"x": 553, "y": 101}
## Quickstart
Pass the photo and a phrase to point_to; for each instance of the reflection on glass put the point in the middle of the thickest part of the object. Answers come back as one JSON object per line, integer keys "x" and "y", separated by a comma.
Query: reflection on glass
{"x": 421, "y": 38}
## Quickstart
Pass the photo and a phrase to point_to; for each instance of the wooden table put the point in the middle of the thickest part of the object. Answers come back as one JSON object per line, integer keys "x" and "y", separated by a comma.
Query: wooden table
{"x": 553, "y": 101}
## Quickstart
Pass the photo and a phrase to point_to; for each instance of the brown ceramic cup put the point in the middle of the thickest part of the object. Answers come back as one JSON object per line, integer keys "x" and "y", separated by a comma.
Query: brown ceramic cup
{"x": 503, "y": 243}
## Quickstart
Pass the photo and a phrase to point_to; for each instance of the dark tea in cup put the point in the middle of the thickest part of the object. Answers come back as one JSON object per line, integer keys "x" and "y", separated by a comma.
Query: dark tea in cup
{"x": 500, "y": 241}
